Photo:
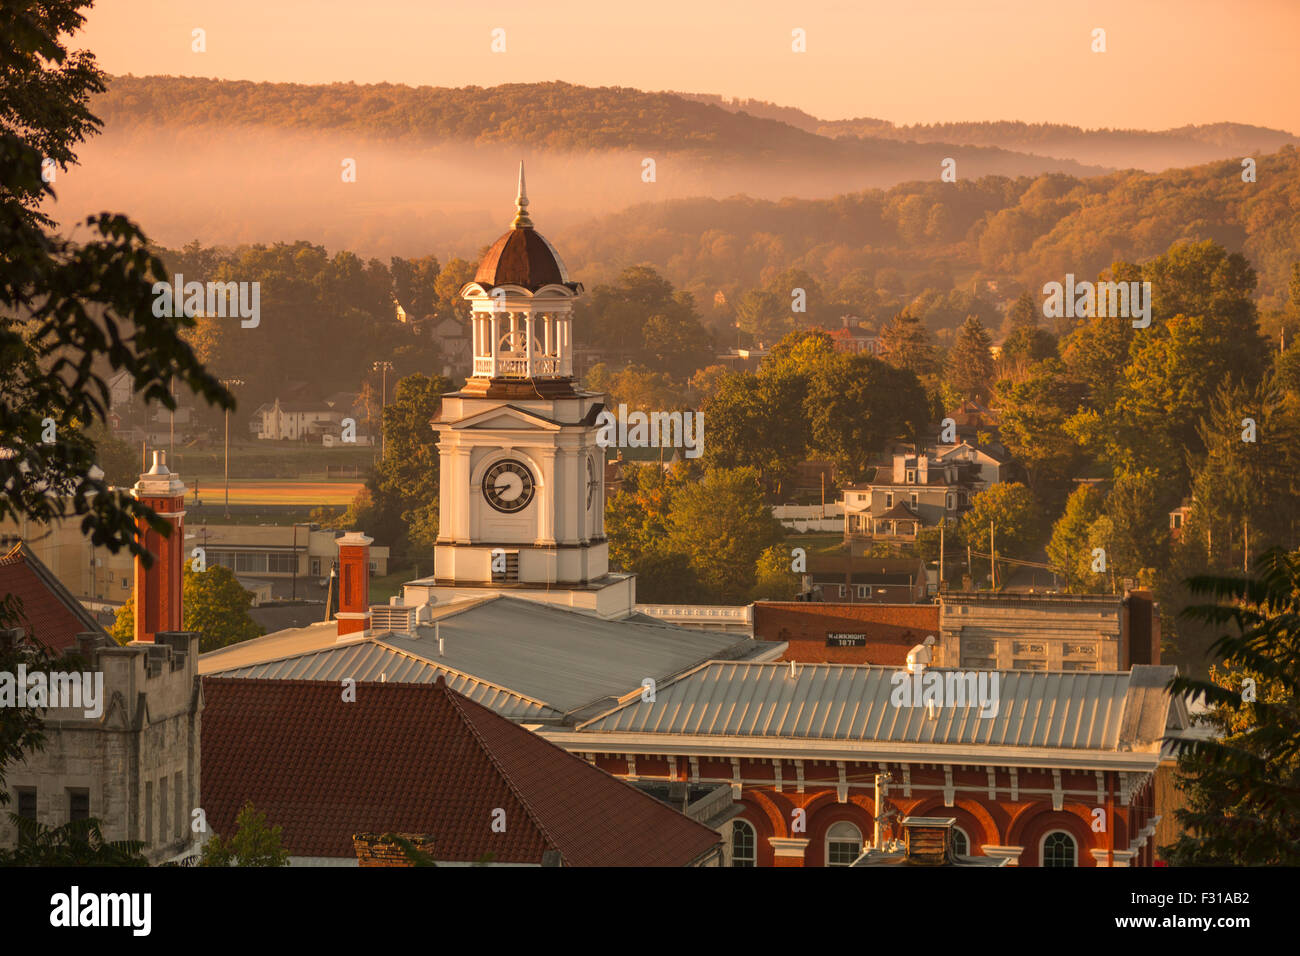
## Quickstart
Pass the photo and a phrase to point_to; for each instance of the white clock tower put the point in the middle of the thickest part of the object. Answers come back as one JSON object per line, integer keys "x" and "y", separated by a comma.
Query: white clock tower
{"x": 522, "y": 478}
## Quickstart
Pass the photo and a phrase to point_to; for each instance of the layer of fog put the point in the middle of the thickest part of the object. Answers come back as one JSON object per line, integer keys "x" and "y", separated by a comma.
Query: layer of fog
{"x": 227, "y": 186}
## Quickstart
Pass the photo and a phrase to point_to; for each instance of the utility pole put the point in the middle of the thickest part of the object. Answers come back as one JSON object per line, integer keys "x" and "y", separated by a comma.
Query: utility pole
{"x": 993, "y": 559}
{"x": 229, "y": 383}
{"x": 384, "y": 368}
{"x": 171, "y": 443}
{"x": 1245, "y": 545}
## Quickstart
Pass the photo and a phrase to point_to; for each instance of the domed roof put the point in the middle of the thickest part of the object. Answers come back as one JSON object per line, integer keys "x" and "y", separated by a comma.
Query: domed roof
{"x": 522, "y": 256}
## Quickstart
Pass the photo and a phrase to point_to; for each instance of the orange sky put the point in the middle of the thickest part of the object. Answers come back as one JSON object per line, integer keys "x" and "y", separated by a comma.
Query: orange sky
{"x": 1168, "y": 62}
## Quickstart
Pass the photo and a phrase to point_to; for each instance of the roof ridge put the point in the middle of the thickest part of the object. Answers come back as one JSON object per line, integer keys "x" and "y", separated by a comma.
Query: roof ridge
{"x": 52, "y": 584}
{"x": 465, "y": 674}
{"x": 533, "y": 815}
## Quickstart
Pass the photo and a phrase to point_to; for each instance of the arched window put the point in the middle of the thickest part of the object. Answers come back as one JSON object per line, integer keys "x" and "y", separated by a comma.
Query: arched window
{"x": 843, "y": 844}
{"x": 1059, "y": 849}
{"x": 742, "y": 843}
{"x": 960, "y": 842}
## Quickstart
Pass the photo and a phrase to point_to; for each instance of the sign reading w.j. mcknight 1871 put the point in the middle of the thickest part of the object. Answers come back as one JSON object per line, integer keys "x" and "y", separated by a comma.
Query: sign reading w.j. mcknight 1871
{"x": 846, "y": 640}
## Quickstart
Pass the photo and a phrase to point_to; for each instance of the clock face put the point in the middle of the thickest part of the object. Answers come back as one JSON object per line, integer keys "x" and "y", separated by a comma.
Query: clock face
{"x": 508, "y": 486}
{"x": 591, "y": 480}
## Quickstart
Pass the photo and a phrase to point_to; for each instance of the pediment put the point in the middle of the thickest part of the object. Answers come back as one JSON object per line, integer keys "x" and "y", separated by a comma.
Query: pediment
{"x": 508, "y": 418}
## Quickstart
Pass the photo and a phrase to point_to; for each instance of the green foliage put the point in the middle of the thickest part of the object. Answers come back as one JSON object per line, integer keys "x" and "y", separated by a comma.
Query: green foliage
{"x": 75, "y": 843}
{"x": 970, "y": 363}
{"x": 1243, "y": 785}
{"x": 399, "y": 505}
{"x": 73, "y": 313}
{"x": 857, "y": 404}
{"x": 773, "y": 578}
{"x": 1138, "y": 508}
{"x": 253, "y": 844}
{"x": 1034, "y": 413}
{"x": 1016, "y": 521}
{"x": 722, "y": 525}
{"x": 1070, "y": 549}
{"x": 22, "y": 729}
{"x": 214, "y": 604}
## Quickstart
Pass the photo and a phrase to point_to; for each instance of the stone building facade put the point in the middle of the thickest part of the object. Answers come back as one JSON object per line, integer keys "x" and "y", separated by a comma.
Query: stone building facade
{"x": 135, "y": 766}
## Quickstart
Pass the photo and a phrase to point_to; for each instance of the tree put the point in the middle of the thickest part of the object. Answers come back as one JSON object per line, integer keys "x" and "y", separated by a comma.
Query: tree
{"x": 970, "y": 362}
{"x": 253, "y": 844}
{"x": 84, "y": 311}
{"x": 857, "y": 404}
{"x": 72, "y": 314}
{"x": 1009, "y": 513}
{"x": 722, "y": 526}
{"x": 676, "y": 343}
{"x": 1243, "y": 784}
{"x": 905, "y": 343}
{"x": 1035, "y": 412}
{"x": 757, "y": 421}
{"x": 399, "y": 504}
{"x": 214, "y": 604}
{"x": 764, "y": 315}
{"x": 1022, "y": 348}
{"x": 1138, "y": 508}
{"x": 1023, "y": 313}
{"x": 1070, "y": 549}
{"x": 773, "y": 578}
{"x": 415, "y": 284}
{"x": 75, "y": 843}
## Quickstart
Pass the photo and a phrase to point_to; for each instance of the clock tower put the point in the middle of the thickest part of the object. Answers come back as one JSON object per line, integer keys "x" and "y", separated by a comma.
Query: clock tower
{"x": 522, "y": 477}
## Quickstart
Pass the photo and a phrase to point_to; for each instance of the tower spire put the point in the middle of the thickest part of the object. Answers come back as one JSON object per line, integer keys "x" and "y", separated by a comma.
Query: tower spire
{"x": 521, "y": 203}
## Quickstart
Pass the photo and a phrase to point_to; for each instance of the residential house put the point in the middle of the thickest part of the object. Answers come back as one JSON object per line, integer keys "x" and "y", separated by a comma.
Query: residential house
{"x": 918, "y": 492}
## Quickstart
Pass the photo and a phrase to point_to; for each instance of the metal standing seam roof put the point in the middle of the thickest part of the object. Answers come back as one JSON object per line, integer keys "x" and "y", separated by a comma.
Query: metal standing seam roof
{"x": 1071, "y": 710}
{"x": 371, "y": 660}
{"x": 547, "y": 661}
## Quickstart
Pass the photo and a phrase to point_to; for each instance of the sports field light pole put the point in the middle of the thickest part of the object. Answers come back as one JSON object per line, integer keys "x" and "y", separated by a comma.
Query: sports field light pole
{"x": 384, "y": 368}
{"x": 229, "y": 383}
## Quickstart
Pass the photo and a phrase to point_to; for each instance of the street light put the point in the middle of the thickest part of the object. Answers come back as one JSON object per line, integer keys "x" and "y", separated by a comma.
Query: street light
{"x": 384, "y": 368}
{"x": 229, "y": 383}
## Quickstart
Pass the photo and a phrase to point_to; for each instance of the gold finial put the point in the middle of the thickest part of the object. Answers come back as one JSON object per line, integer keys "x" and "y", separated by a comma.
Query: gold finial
{"x": 521, "y": 204}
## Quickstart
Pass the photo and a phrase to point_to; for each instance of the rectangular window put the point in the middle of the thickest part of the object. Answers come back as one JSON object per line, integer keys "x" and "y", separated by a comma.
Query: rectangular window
{"x": 889, "y": 499}
{"x": 841, "y": 590}
{"x": 180, "y": 805}
{"x": 862, "y": 590}
{"x": 911, "y": 477}
{"x": 951, "y": 501}
{"x": 915, "y": 499}
{"x": 282, "y": 562}
{"x": 78, "y": 804}
{"x": 148, "y": 813}
{"x": 315, "y": 567}
{"x": 26, "y": 804}
{"x": 162, "y": 810}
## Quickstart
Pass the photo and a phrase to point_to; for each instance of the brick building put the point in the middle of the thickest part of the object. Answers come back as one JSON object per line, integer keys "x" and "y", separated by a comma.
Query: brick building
{"x": 801, "y": 746}
{"x": 845, "y": 633}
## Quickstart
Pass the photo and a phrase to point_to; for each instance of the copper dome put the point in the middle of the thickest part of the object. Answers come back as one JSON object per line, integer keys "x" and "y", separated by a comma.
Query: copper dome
{"x": 522, "y": 256}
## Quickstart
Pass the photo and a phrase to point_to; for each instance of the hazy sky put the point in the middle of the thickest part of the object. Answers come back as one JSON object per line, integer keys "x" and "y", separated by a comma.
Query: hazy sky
{"x": 1168, "y": 62}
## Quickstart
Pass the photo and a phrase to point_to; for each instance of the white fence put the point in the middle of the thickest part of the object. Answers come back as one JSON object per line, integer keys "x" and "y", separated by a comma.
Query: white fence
{"x": 804, "y": 518}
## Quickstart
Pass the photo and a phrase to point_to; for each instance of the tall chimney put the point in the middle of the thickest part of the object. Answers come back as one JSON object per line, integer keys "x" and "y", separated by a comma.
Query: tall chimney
{"x": 354, "y": 583}
{"x": 158, "y": 588}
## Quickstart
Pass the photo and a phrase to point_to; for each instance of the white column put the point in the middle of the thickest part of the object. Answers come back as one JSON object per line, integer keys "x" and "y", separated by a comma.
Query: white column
{"x": 547, "y": 340}
{"x": 548, "y": 499}
{"x": 462, "y": 498}
{"x": 528, "y": 344}
{"x": 492, "y": 342}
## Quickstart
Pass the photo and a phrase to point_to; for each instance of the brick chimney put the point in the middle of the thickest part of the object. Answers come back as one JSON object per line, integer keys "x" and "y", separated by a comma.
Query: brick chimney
{"x": 354, "y": 583}
{"x": 158, "y": 588}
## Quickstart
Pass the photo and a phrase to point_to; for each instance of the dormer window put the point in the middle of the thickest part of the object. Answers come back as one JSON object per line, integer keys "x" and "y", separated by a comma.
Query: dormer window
{"x": 911, "y": 476}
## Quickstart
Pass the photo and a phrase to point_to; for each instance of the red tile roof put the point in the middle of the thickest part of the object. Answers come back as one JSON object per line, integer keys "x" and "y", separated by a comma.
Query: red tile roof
{"x": 420, "y": 758}
{"x": 50, "y": 613}
{"x": 891, "y": 630}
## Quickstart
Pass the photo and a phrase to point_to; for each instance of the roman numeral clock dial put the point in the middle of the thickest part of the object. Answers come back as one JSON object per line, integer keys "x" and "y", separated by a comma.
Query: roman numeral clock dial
{"x": 508, "y": 486}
